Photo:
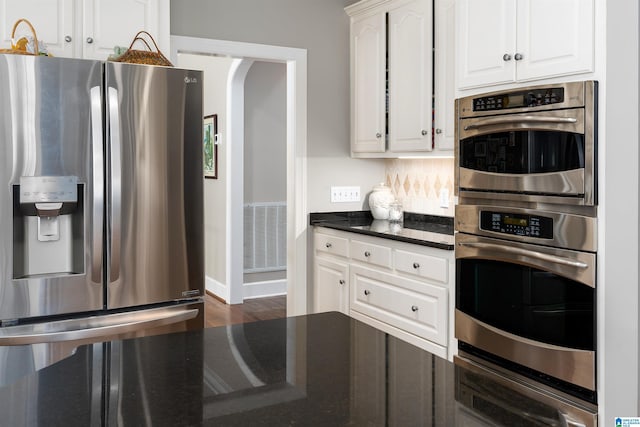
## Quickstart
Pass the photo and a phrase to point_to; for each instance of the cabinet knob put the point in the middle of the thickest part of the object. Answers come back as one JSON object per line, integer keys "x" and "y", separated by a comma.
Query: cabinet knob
{"x": 341, "y": 281}
{"x": 518, "y": 57}
{"x": 506, "y": 57}
{"x": 367, "y": 254}
{"x": 416, "y": 265}
{"x": 328, "y": 245}
{"x": 367, "y": 292}
{"x": 378, "y": 135}
{"x": 89, "y": 40}
{"x": 68, "y": 39}
{"x": 414, "y": 308}
{"x": 424, "y": 132}
{"x": 438, "y": 131}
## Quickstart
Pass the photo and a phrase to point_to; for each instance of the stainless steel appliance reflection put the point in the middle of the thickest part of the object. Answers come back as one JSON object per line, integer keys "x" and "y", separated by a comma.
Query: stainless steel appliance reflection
{"x": 101, "y": 199}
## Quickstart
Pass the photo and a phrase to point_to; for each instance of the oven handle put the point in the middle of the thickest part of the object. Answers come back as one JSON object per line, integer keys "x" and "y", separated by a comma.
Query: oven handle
{"x": 519, "y": 119}
{"x": 533, "y": 254}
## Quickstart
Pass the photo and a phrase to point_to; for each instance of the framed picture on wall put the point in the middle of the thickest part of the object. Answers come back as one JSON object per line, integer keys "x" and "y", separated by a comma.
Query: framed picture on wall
{"x": 210, "y": 146}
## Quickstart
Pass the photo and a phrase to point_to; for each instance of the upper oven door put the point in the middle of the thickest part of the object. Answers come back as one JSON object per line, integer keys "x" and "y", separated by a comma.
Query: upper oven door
{"x": 546, "y": 156}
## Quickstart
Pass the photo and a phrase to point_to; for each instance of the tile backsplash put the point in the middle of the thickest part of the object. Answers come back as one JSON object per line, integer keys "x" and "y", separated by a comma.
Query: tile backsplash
{"x": 417, "y": 184}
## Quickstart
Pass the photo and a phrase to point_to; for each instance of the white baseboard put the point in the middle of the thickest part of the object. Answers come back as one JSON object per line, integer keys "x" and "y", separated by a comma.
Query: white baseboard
{"x": 216, "y": 288}
{"x": 268, "y": 288}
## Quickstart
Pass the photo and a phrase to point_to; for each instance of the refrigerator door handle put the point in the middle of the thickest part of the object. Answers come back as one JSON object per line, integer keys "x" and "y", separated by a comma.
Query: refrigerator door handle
{"x": 116, "y": 183}
{"x": 104, "y": 327}
{"x": 97, "y": 184}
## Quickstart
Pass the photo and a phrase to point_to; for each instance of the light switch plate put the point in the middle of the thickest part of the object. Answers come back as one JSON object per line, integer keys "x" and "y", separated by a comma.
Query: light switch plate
{"x": 444, "y": 198}
{"x": 345, "y": 194}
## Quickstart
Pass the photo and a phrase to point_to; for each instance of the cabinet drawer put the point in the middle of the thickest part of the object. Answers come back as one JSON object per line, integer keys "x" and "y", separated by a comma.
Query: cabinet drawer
{"x": 416, "y": 307}
{"x": 331, "y": 244}
{"x": 370, "y": 253}
{"x": 427, "y": 266}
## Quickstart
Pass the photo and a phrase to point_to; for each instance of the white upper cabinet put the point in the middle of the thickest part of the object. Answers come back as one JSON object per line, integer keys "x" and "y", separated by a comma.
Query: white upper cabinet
{"x": 368, "y": 64}
{"x": 486, "y": 41}
{"x": 504, "y": 41}
{"x": 555, "y": 37}
{"x": 99, "y": 24}
{"x": 410, "y": 76}
{"x": 51, "y": 19}
{"x": 391, "y": 77}
{"x": 444, "y": 87}
{"x": 109, "y": 23}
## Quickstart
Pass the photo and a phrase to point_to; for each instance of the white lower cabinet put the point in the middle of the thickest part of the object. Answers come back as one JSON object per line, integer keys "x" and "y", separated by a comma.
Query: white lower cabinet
{"x": 401, "y": 288}
{"x": 332, "y": 292}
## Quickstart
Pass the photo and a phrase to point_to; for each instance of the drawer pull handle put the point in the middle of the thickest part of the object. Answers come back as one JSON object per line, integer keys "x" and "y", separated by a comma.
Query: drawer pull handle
{"x": 367, "y": 254}
{"x": 328, "y": 245}
{"x": 416, "y": 265}
{"x": 367, "y": 292}
{"x": 414, "y": 308}
{"x": 341, "y": 281}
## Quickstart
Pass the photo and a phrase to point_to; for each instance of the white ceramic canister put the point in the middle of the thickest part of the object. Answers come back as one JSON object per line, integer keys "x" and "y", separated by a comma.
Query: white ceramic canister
{"x": 379, "y": 201}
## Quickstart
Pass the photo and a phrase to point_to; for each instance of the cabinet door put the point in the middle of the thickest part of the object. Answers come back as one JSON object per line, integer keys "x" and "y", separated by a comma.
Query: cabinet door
{"x": 109, "y": 23}
{"x": 368, "y": 126}
{"x": 52, "y": 20}
{"x": 410, "y": 77}
{"x": 444, "y": 90}
{"x": 555, "y": 37}
{"x": 486, "y": 42}
{"x": 331, "y": 290}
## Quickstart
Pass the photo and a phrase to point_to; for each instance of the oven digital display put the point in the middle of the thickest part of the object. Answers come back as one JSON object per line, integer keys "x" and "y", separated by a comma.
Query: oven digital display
{"x": 509, "y": 220}
{"x": 514, "y": 101}
{"x": 517, "y": 224}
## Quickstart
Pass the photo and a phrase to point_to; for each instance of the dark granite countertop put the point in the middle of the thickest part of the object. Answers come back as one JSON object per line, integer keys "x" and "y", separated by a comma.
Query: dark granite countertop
{"x": 316, "y": 370}
{"x": 426, "y": 230}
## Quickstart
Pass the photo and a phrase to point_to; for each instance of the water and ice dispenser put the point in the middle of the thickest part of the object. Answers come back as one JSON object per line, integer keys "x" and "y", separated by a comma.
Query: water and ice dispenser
{"x": 48, "y": 226}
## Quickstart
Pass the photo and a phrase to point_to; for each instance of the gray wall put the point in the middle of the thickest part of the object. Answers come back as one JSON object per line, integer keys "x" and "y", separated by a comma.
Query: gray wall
{"x": 322, "y": 28}
{"x": 265, "y": 133}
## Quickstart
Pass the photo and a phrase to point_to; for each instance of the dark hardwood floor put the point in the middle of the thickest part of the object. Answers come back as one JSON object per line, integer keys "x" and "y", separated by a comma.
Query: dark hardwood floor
{"x": 217, "y": 313}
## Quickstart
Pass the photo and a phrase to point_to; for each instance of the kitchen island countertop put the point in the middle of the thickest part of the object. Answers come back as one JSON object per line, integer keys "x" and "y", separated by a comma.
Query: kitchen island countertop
{"x": 316, "y": 370}
{"x": 426, "y": 230}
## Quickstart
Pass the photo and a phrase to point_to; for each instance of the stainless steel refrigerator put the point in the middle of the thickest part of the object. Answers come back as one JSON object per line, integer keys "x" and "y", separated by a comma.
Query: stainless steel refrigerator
{"x": 101, "y": 200}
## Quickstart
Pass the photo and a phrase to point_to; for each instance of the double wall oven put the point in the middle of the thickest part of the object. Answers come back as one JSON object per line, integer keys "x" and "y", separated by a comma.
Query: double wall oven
{"x": 526, "y": 241}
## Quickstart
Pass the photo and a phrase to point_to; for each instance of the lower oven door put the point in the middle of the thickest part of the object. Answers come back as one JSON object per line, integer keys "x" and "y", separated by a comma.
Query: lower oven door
{"x": 529, "y": 305}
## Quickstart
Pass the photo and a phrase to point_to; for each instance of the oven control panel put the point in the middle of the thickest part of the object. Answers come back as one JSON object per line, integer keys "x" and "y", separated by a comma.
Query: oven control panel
{"x": 517, "y": 224}
{"x": 534, "y": 97}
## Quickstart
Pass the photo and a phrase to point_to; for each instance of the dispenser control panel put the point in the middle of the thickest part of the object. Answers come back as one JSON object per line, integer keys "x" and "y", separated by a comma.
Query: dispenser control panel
{"x": 48, "y": 189}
